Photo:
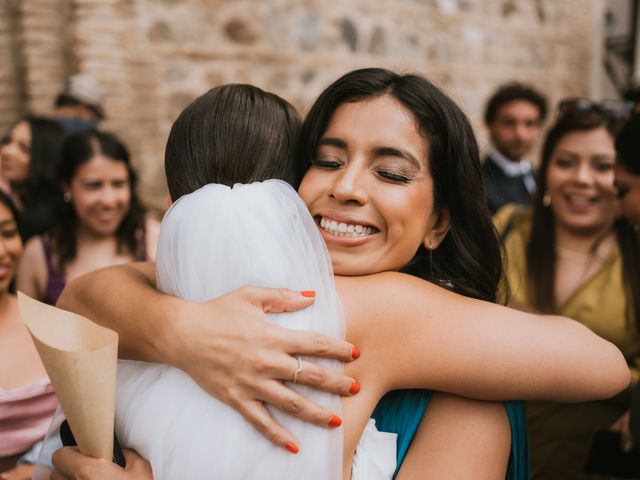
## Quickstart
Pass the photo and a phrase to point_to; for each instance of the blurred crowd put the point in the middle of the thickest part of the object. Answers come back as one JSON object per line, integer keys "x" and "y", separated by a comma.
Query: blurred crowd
{"x": 569, "y": 222}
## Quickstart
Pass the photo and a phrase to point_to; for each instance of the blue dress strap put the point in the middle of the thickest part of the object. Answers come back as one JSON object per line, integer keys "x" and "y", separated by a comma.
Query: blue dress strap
{"x": 401, "y": 412}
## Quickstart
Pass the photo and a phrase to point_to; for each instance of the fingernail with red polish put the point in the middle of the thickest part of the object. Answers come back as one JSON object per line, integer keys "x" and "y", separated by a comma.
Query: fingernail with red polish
{"x": 292, "y": 448}
{"x": 335, "y": 421}
{"x": 355, "y": 352}
{"x": 308, "y": 293}
{"x": 355, "y": 388}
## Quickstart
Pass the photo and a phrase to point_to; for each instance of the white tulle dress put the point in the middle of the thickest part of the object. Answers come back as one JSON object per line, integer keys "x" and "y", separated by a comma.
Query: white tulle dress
{"x": 211, "y": 242}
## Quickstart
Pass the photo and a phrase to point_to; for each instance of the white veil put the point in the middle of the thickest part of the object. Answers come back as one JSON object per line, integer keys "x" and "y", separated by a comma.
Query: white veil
{"x": 213, "y": 241}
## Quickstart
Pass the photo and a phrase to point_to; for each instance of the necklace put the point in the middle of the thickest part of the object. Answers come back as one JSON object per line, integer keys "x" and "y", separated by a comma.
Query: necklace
{"x": 597, "y": 256}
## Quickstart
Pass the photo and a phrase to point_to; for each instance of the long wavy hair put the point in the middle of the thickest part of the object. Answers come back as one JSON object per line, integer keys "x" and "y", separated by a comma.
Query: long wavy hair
{"x": 78, "y": 149}
{"x": 469, "y": 260}
{"x": 46, "y": 139}
{"x": 541, "y": 266}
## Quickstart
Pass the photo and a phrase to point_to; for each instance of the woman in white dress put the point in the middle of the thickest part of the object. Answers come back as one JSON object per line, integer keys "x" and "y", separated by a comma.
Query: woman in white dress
{"x": 442, "y": 350}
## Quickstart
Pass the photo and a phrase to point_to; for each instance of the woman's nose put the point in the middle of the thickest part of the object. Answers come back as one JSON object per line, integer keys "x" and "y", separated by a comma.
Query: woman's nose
{"x": 584, "y": 174}
{"x": 350, "y": 186}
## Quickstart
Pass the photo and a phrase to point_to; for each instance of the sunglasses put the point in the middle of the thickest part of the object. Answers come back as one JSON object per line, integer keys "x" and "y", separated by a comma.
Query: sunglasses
{"x": 611, "y": 108}
{"x": 622, "y": 189}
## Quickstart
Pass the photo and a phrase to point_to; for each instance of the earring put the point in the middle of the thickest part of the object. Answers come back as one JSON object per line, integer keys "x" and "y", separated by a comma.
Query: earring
{"x": 546, "y": 199}
{"x": 430, "y": 257}
{"x": 66, "y": 197}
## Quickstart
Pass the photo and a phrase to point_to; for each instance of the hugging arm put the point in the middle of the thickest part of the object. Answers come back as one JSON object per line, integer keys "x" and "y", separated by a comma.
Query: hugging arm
{"x": 226, "y": 345}
{"x": 473, "y": 348}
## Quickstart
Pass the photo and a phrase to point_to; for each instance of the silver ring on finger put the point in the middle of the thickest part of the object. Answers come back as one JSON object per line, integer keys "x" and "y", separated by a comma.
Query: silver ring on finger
{"x": 297, "y": 371}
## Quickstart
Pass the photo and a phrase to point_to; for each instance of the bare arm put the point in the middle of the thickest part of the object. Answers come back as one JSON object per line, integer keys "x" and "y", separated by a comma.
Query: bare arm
{"x": 227, "y": 345}
{"x": 31, "y": 276}
{"x": 459, "y": 438}
{"x": 474, "y": 348}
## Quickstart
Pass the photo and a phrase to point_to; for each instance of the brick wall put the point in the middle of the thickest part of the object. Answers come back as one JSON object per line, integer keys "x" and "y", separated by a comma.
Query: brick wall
{"x": 153, "y": 56}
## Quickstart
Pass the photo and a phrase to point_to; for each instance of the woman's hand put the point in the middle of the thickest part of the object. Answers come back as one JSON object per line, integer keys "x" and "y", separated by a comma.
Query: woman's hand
{"x": 22, "y": 472}
{"x": 230, "y": 348}
{"x": 228, "y": 345}
{"x": 70, "y": 464}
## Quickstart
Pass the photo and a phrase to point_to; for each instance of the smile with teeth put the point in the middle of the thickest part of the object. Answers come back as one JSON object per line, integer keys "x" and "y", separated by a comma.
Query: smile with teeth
{"x": 581, "y": 199}
{"x": 345, "y": 229}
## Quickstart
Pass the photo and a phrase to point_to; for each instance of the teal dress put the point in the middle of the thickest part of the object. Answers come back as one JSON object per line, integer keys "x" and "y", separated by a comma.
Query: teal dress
{"x": 401, "y": 412}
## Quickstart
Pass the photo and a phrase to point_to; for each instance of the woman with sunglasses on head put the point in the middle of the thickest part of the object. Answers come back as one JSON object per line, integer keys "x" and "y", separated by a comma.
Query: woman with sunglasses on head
{"x": 567, "y": 255}
{"x": 381, "y": 152}
{"x": 28, "y": 157}
{"x": 99, "y": 220}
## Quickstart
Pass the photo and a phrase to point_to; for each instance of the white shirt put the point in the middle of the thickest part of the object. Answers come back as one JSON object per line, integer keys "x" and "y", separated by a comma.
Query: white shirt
{"x": 522, "y": 168}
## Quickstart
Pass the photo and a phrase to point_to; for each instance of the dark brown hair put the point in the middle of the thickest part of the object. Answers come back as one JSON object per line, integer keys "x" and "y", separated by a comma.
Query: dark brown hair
{"x": 541, "y": 264}
{"x": 510, "y": 93}
{"x": 78, "y": 149}
{"x": 232, "y": 134}
{"x": 469, "y": 259}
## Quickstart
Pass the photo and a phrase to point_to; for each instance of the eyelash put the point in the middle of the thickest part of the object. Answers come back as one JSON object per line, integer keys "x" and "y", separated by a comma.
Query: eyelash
{"x": 328, "y": 164}
{"x": 384, "y": 174}
{"x": 394, "y": 177}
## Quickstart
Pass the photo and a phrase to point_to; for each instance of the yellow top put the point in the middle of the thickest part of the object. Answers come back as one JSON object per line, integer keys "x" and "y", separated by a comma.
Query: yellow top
{"x": 559, "y": 432}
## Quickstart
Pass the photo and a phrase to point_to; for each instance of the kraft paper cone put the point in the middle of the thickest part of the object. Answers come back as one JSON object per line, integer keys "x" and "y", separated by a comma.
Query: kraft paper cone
{"x": 81, "y": 360}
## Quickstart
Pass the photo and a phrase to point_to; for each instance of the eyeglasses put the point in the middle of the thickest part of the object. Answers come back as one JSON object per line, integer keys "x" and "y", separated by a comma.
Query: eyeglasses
{"x": 611, "y": 108}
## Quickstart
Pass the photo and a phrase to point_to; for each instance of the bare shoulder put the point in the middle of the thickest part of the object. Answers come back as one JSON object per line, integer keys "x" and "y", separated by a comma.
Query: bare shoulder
{"x": 31, "y": 276}
{"x": 384, "y": 291}
{"x": 33, "y": 260}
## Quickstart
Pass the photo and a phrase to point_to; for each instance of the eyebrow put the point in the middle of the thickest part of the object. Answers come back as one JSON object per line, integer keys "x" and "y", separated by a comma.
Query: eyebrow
{"x": 378, "y": 151}
{"x": 396, "y": 152}
{"x": 8, "y": 221}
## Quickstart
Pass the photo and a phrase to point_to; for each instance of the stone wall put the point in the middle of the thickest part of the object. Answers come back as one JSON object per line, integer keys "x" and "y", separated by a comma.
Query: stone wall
{"x": 153, "y": 56}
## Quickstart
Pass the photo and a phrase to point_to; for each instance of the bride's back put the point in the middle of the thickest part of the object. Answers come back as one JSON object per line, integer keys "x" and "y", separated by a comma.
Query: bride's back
{"x": 214, "y": 240}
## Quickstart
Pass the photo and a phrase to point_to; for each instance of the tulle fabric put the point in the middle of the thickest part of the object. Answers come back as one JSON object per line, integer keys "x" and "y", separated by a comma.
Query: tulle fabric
{"x": 213, "y": 241}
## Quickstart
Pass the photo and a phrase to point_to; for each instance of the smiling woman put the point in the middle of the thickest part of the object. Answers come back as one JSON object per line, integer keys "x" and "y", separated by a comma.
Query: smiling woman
{"x": 27, "y": 400}
{"x": 373, "y": 155}
{"x": 99, "y": 220}
{"x": 28, "y": 156}
{"x": 566, "y": 257}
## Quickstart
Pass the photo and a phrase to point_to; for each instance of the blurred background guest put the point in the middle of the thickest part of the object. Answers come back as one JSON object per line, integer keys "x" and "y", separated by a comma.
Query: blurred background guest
{"x": 514, "y": 115}
{"x": 28, "y": 159}
{"x": 99, "y": 220}
{"x": 568, "y": 255}
{"x": 78, "y": 107}
{"x": 627, "y": 171}
{"x": 27, "y": 401}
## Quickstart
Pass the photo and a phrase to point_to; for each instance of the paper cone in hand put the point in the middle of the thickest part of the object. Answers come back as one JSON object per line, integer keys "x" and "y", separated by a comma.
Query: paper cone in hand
{"x": 81, "y": 359}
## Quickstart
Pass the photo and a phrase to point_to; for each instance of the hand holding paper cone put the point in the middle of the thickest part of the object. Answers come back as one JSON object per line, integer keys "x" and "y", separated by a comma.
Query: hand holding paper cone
{"x": 81, "y": 360}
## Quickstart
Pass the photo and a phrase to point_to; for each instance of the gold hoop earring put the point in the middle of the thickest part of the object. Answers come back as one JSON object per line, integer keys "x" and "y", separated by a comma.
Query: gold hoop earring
{"x": 546, "y": 199}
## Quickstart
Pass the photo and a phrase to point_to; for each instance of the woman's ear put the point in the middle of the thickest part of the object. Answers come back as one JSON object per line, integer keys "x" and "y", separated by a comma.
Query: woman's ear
{"x": 439, "y": 230}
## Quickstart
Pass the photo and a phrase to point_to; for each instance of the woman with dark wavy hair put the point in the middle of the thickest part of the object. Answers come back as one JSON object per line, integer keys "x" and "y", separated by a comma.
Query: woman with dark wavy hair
{"x": 29, "y": 155}
{"x": 389, "y": 171}
{"x": 98, "y": 218}
{"x": 569, "y": 255}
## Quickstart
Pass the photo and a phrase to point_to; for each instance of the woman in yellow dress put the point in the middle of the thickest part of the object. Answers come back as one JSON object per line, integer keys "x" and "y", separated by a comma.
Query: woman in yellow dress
{"x": 567, "y": 255}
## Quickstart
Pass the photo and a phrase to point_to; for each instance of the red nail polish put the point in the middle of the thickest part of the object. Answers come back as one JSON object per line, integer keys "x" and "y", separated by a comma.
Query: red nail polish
{"x": 355, "y": 388}
{"x": 335, "y": 421}
{"x": 292, "y": 448}
{"x": 355, "y": 352}
{"x": 308, "y": 293}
